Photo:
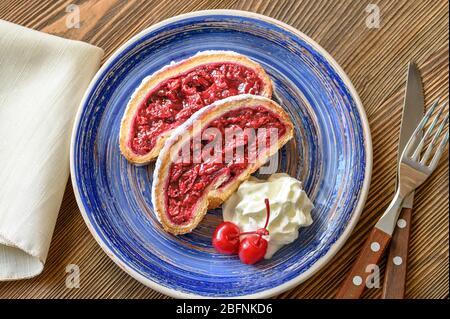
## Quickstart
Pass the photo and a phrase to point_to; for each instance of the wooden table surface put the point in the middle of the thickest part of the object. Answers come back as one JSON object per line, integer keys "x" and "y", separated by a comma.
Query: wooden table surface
{"x": 375, "y": 60}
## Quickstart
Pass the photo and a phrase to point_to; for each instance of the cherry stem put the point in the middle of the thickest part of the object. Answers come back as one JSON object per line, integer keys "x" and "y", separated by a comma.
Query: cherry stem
{"x": 247, "y": 233}
{"x": 266, "y": 201}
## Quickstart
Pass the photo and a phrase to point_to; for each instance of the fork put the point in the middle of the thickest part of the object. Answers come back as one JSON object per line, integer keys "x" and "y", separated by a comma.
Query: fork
{"x": 414, "y": 168}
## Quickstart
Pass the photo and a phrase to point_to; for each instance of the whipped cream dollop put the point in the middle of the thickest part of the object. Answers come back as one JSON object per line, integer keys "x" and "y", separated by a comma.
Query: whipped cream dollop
{"x": 290, "y": 209}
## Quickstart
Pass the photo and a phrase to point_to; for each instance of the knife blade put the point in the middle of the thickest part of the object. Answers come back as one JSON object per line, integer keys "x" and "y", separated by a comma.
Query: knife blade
{"x": 413, "y": 111}
{"x": 396, "y": 265}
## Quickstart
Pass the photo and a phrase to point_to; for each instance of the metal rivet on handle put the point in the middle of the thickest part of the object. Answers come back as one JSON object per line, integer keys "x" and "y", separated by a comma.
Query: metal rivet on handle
{"x": 401, "y": 223}
{"x": 375, "y": 246}
{"x": 357, "y": 280}
{"x": 397, "y": 260}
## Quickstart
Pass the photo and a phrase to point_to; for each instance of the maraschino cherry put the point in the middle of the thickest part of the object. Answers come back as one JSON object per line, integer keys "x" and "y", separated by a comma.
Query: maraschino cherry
{"x": 251, "y": 249}
{"x": 226, "y": 238}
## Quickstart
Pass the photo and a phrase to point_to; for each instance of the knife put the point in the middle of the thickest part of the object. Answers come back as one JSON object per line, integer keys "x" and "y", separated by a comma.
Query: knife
{"x": 364, "y": 272}
{"x": 396, "y": 264}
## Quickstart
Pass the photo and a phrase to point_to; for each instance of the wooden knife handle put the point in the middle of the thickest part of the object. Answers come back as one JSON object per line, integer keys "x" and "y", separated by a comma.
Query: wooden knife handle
{"x": 354, "y": 284}
{"x": 396, "y": 265}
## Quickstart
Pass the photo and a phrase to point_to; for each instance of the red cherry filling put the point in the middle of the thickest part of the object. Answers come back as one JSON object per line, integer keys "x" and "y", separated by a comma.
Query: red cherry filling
{"x": 251, "y": 249}
{"x": 173, "y": 101}
{"x": 188, "y": 181}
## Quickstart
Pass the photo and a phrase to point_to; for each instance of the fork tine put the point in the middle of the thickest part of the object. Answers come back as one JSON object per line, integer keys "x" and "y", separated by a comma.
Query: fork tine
{"x": 439, "y": 152}
{"x": 414, "y": 136}
{"x": 427, "y": 133}
{"x": 433, "y": 141}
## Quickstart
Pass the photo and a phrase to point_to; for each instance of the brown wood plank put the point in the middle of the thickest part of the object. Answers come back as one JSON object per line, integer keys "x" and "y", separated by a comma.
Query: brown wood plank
{"x": 375, "y": 60}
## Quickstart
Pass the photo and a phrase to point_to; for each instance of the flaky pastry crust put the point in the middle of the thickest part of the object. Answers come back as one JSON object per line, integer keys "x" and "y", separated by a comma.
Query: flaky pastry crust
{"x": 212, "y": 198}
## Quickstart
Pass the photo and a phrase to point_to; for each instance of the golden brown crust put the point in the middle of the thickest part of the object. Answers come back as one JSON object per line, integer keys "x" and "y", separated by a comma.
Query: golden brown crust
{"x": 168, "y": 72}
{"x": 214, "y": 197}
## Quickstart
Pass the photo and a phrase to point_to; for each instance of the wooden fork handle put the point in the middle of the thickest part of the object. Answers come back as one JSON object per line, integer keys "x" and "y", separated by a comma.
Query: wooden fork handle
{"x": 366, "y": 265}
{"x": 395, "y": 275}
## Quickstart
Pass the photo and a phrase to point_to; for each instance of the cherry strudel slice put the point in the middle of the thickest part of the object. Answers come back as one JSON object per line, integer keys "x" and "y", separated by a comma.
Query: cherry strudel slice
{"x": 170, "y": 96}
{"x": 207, "y": 157}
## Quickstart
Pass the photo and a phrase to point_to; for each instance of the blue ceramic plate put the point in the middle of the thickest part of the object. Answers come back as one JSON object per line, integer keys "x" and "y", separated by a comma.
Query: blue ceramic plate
{"x": 331, "y": 153}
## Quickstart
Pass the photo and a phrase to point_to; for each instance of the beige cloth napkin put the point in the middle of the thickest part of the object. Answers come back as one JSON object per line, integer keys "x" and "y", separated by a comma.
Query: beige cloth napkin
{"x": 42, "y": 80}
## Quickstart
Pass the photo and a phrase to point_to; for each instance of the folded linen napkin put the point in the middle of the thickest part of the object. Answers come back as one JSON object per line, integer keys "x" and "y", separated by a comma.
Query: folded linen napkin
{"x": 42, "y": 80}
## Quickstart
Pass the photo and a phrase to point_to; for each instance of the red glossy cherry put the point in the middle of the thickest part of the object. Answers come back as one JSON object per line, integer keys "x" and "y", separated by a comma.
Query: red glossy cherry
{"x": 252, "y": 249}
{"x": 226, "y": 238}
